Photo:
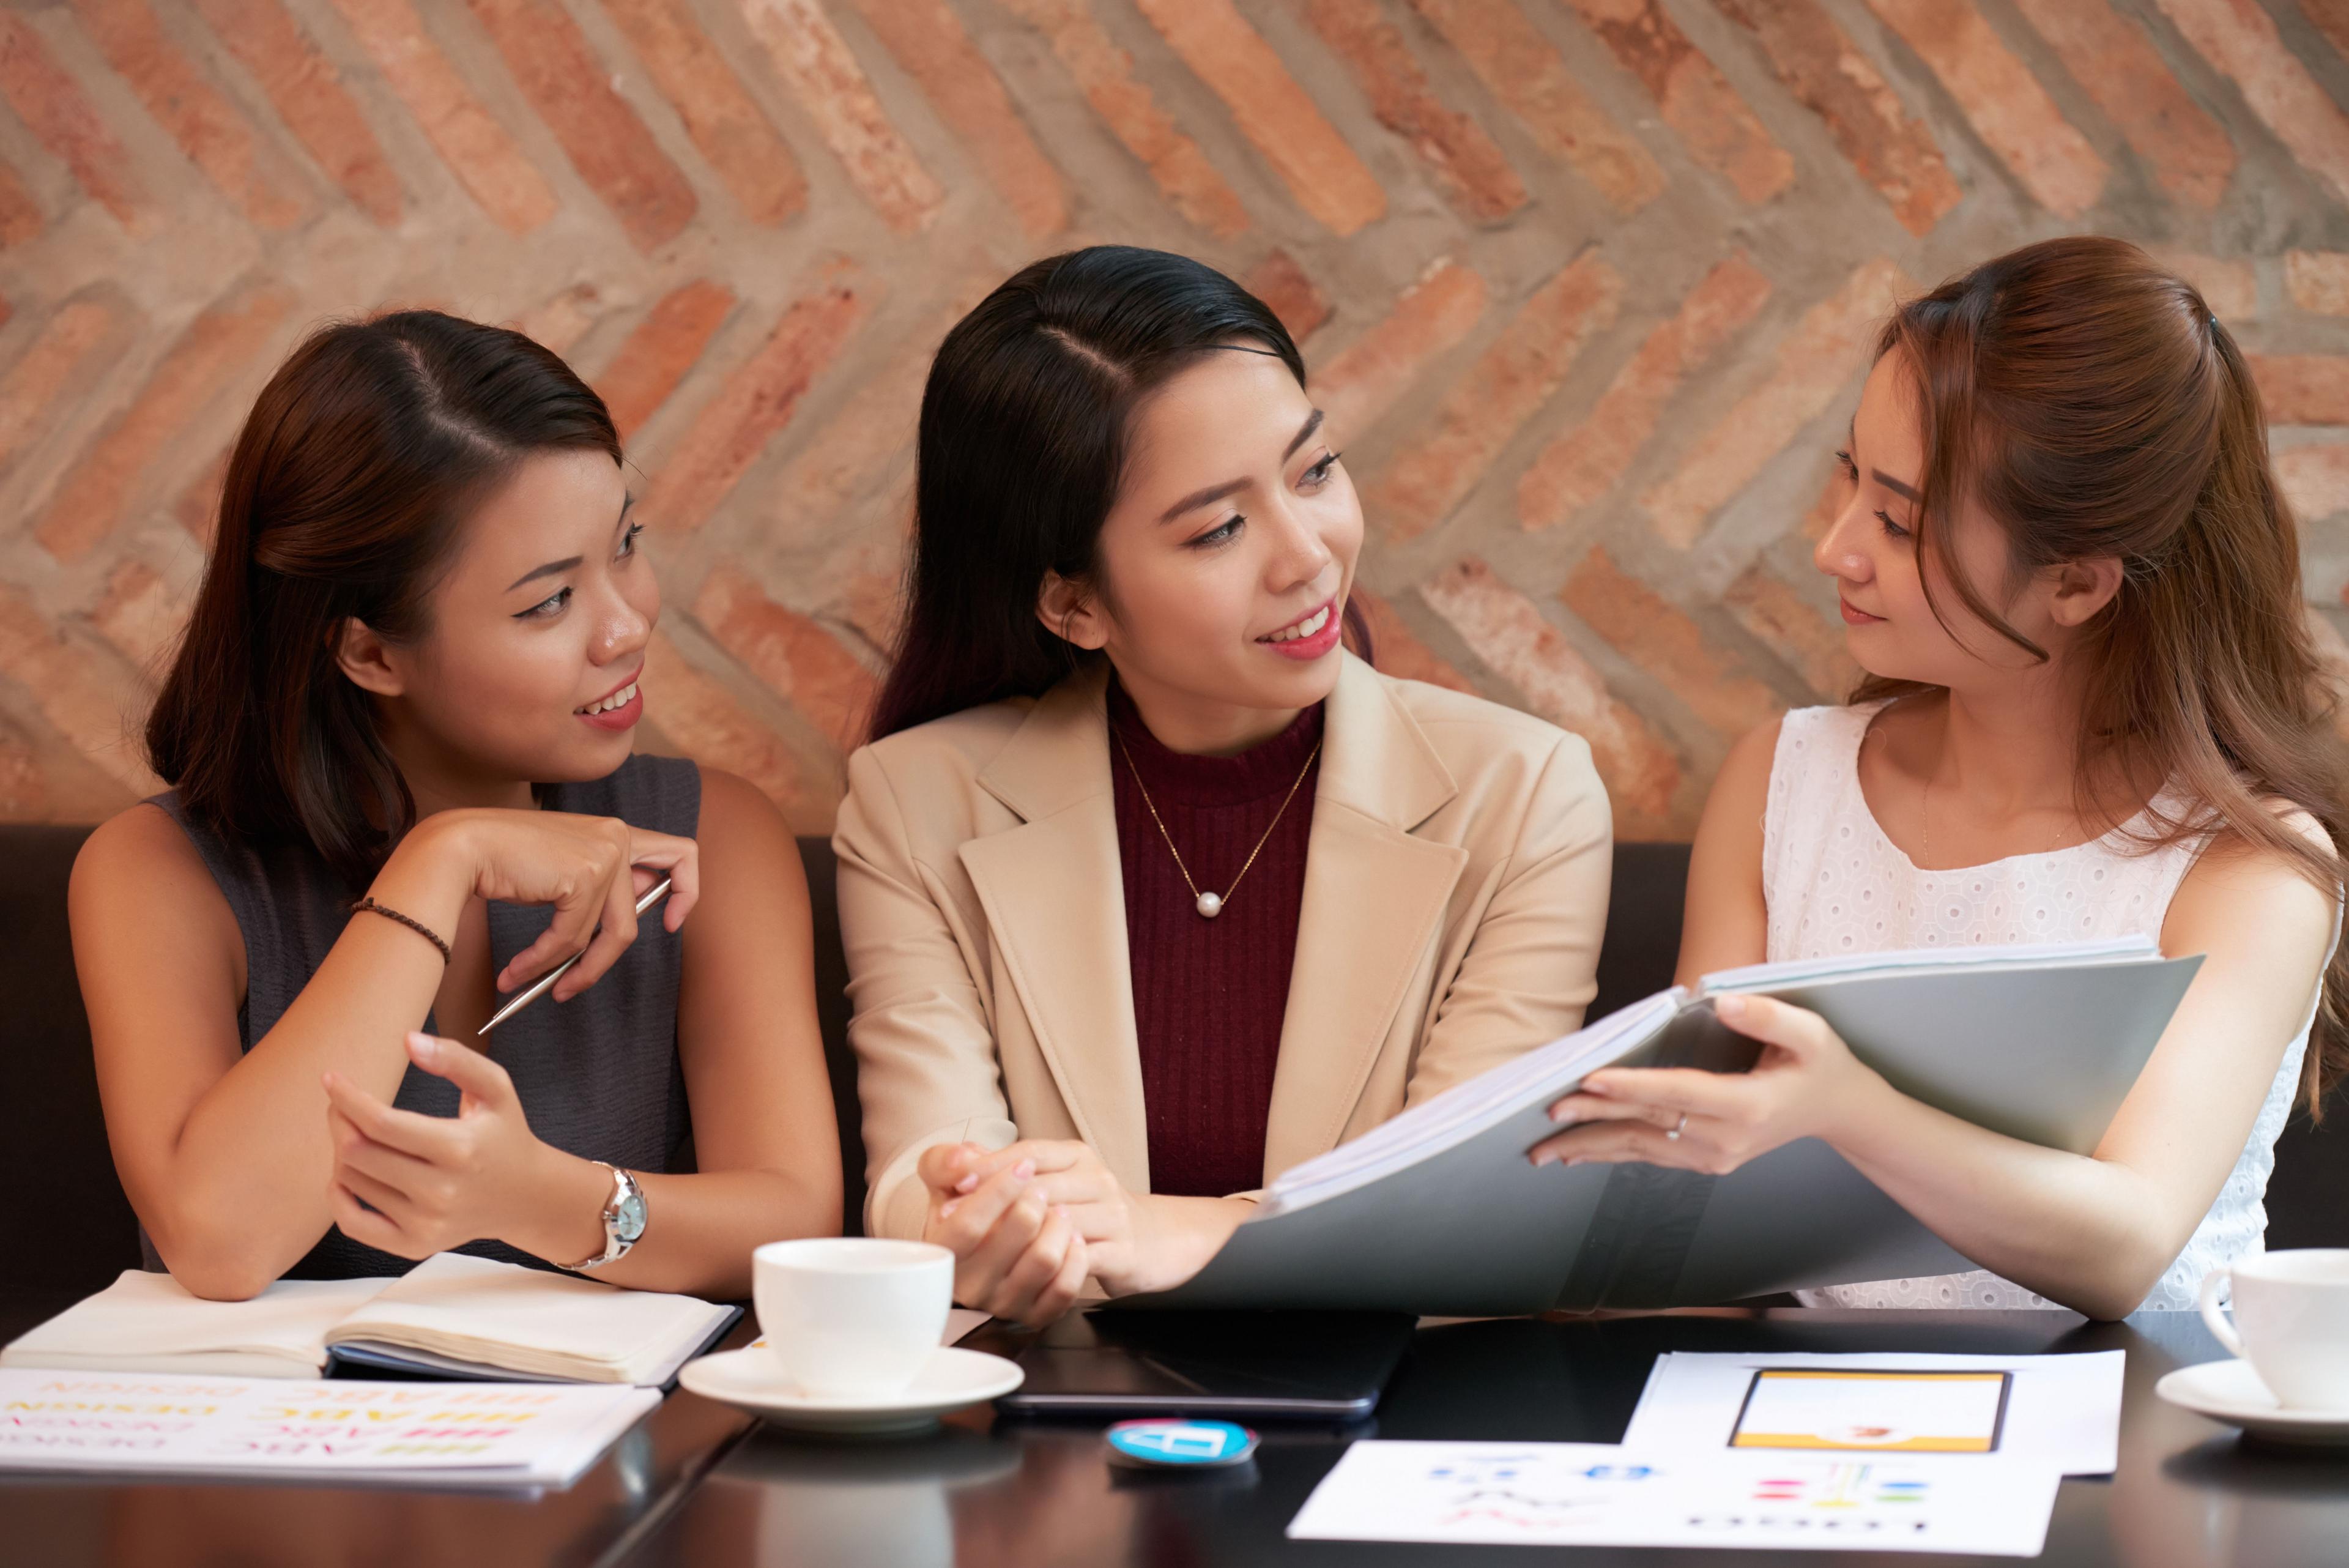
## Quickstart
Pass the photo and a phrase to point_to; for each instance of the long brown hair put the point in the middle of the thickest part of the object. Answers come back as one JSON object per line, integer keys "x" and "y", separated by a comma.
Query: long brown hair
{"x": 2092, "y": 406}
{"x": 1022, "y": 444}
{"x": 343, "y": 501}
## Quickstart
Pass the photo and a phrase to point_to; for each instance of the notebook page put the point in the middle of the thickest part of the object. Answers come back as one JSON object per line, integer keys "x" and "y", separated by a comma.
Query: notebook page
{"x": 1424, "y": 1125}
{"x": 150, "y": 1323}
{"x": 1435, "y": 1122}
{"x": 545, "y": 1324}
{"x": 1467, "y": 1107}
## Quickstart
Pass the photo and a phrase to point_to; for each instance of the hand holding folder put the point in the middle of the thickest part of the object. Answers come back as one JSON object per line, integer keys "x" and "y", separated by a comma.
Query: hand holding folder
{"x": 1439, "y": 1211}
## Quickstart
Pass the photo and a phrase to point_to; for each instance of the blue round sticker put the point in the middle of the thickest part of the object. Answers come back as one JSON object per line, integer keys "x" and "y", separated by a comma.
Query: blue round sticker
{"x": 1180, "y": 1443}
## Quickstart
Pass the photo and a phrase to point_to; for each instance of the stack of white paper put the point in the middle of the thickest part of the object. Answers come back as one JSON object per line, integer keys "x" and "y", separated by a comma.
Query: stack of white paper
{"x": 444, "y": 1435}
{"x": 2136, "y": 948}
{"x": 1447, "y": 1120}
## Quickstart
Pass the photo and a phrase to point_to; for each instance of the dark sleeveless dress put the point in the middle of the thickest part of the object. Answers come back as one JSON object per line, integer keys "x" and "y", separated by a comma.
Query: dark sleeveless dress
{"x": 598, "y": 1075}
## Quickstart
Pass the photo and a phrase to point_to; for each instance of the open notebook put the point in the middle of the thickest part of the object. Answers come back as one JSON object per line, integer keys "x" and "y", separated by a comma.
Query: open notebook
{"x": 1439, "y": 1211}
{"x": 451, "y": 1316}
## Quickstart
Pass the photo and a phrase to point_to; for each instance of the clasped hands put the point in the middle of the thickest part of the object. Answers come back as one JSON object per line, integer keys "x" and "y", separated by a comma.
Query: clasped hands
{"x": 1029, "y": 1224}
{"x": 1806, "y": 1084}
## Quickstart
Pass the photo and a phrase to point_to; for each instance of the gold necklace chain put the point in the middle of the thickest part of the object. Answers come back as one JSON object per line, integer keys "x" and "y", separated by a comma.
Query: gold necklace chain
{"x": 1925, "y": 815}
{"x": 1210, "y": 905}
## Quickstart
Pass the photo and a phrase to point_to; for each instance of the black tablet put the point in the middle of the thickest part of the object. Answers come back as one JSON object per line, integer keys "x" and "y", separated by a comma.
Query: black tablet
{"x": 1268, "y": 1366}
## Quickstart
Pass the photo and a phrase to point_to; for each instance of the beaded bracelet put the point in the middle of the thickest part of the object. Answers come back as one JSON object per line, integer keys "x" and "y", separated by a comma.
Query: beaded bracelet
{"x": 370, "y": 907}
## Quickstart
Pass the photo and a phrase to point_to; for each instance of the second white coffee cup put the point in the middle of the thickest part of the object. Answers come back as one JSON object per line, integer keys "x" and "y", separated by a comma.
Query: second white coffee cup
{"x": 850, "y": 1317}
{"x": 2292, "y": 1322}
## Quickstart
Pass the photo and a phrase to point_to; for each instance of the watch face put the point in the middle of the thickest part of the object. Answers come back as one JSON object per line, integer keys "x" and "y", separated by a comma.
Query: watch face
{"x": 630, "y": 1212}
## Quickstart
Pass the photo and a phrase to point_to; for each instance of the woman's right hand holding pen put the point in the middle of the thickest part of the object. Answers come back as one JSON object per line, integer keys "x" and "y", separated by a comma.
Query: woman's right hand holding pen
{"x": 589, "y": 869}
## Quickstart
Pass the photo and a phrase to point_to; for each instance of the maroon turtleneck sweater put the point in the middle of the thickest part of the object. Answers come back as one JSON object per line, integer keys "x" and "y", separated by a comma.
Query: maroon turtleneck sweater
{"x": 1209, "y": 995}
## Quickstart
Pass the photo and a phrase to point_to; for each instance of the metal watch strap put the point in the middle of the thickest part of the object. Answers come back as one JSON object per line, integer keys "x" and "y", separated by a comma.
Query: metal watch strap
{"x": 615, "y": 1246}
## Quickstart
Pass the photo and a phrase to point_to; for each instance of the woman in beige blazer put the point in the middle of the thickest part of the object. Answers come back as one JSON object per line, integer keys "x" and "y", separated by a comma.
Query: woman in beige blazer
{"x": 1134, "y": 540}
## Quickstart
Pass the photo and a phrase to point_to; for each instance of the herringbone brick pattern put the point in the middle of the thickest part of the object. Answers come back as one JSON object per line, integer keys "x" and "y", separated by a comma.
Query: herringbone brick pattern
{"x": 1585, "y": 284}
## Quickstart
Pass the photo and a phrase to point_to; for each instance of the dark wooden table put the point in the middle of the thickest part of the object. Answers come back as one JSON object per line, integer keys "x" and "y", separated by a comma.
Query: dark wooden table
{"x": 996, "y": 1494}
{"x": 693, "y": 1487}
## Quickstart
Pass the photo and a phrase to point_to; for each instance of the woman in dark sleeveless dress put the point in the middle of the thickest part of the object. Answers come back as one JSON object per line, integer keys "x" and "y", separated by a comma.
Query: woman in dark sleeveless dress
{"x": 399, "y": 731}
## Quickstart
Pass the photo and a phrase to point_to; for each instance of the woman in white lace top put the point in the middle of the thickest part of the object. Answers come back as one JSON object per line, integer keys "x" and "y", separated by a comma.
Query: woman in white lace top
{"x": 2091, "y": 709}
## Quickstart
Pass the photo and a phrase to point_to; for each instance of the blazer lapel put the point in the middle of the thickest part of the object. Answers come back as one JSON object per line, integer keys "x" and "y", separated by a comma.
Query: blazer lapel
{"x": 1373, "y": 896}
{"x": 1054, "y": 893}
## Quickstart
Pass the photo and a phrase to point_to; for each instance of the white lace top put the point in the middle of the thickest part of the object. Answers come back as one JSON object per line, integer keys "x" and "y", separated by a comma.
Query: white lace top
{"x": 1833, "y": 883}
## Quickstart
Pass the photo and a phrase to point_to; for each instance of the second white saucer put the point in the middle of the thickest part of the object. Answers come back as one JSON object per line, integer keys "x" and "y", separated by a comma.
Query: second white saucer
{"x": 749, "y": 1380}
{"x": 2231, "y": 1392}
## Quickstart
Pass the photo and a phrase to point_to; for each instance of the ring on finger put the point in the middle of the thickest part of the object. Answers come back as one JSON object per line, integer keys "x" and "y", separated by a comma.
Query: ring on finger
{"x": 1672, "y": 1133}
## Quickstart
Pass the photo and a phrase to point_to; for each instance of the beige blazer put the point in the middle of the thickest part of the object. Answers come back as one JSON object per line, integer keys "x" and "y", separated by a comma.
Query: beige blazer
{"x": 1455, "y": 889}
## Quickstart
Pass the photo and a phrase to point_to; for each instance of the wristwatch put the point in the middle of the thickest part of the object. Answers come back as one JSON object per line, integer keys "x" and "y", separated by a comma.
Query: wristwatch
{"x": 624, "y": 1220}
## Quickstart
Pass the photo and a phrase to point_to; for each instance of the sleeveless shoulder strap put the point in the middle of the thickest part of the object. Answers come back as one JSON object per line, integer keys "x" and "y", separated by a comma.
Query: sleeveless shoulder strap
{"x": 289, "y": 907}
{"x": 1816, "y": 758}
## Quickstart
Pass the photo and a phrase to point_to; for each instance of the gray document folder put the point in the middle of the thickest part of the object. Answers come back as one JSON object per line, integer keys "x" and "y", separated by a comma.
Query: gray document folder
{"x": 1440, "y": 1212}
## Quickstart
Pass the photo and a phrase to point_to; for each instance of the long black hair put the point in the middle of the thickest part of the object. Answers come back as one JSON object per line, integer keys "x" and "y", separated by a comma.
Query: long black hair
{"x": 368, "y": 448}
{"x": 1021, "y": 449}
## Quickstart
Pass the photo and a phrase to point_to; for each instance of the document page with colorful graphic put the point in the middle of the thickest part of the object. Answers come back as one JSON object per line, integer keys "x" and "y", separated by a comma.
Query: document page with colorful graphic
{"x": 481, "y": 1434}
{"x": 1881, "y": 1412}
{"x": 1590, "y": 1494}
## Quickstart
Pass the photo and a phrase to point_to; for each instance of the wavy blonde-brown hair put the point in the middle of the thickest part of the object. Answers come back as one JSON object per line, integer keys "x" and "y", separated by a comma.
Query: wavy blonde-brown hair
{"x": 2091, "y": 405}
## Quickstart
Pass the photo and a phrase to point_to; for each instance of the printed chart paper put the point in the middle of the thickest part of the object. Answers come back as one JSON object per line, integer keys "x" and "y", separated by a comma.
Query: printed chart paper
{"x": 2063, "y": 1411}
{"x": 1880, "y": 1412}
{"x": 481, "y": 1434}
{"x": 1592, "y": 1494}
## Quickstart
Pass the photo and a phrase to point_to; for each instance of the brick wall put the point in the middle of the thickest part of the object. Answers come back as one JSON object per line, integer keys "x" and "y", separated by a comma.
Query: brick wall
{"x": 1585, "y": 284}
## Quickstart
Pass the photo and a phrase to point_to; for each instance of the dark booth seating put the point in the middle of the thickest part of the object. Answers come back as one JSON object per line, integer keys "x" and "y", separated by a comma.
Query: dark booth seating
{"x": 70, "y": 1230}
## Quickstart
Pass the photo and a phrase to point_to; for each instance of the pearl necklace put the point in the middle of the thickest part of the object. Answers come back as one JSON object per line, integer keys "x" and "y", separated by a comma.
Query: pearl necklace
{"x": 1210, "y": 905}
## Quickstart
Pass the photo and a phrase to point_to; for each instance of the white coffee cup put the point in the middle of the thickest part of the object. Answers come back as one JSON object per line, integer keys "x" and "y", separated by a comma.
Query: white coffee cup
{"x": 851, "y": 1317}
{"x": 2292, "y": 1322}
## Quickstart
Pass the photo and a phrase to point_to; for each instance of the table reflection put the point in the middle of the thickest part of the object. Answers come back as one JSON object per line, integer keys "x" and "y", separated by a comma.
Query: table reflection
{"x": 821, "y": 1503}
{"x": 295, "y": 1526}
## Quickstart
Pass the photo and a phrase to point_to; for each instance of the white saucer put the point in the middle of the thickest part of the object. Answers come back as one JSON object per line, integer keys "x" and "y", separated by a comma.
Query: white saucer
{"x": 2231, "y": 1392}
{"x": 749, "y": 1380}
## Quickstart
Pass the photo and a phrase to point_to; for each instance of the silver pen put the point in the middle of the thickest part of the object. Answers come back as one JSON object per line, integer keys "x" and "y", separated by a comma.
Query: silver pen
{"x": 538, "y": 987}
